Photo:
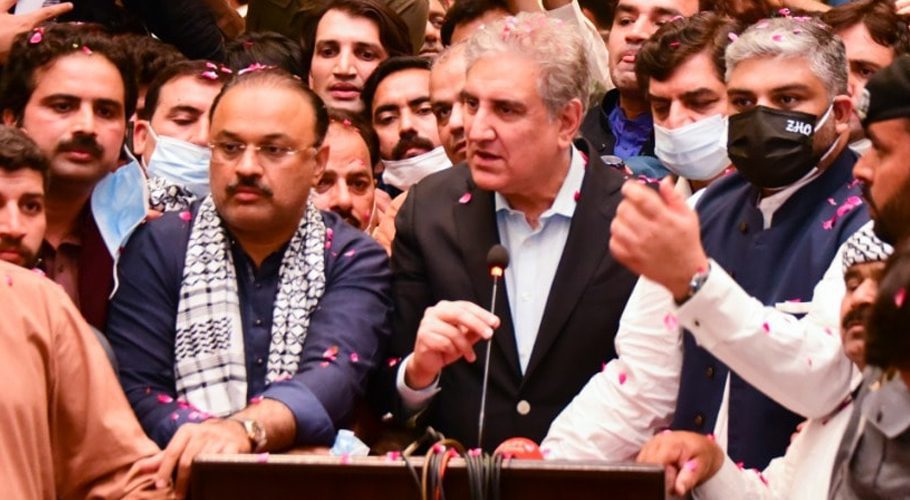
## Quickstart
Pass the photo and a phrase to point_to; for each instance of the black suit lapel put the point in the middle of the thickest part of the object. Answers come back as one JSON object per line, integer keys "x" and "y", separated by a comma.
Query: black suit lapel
{"x": 475, "y": 223}
{"x": 586, "y": 247}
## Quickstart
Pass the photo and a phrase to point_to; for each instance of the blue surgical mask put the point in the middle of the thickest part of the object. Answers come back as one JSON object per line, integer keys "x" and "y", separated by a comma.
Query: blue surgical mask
{"x": 120, "y": 204}
{"x": 181, "y": 163}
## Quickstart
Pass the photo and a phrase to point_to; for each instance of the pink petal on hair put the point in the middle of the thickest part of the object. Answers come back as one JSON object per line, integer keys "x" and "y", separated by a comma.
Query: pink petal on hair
{"x": 899, "y": 298}
{"x": 37, "y": 36}
{"x": 87, "y": 51}
{"x": 165, "y": 399}
{"x": 761, "y": 476}
{"x": 671, "y": 323}
{"x": 603, "y": 366}
{"x": 211, "y": 65}
{"x": 194, "y": 415}
{"x": 262, "y": 457}
{"x": 622, "y": 378}
{"x": 711, "y": 437}
{"x": 740, "y": 465}
{"x": 777, "y": 37}
{"x": 354, "y": 357}
{"x": 185, "y": 216}
{"x": 331, "y": 353}
{"x": 465, "y": 198}
{"x": 828, "y": 331}
{"x": 225, "y": 69}
{"x": 346, "y": 122}
{"x": 762, "y": 25}
{"x": 784, "y": 12}
{"x": 674, "y": 44}
{"x": 209, "y": 75}
{"x": 732, "y": 36}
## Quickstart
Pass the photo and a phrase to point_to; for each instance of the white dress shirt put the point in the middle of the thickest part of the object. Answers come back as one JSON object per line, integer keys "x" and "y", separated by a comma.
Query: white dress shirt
{"x": 635, "y": 395}
{"x": 534, "y": 256}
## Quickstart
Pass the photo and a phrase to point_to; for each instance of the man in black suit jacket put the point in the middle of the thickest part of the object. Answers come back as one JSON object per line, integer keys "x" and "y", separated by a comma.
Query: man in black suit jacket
{"x": 526, "y": 186}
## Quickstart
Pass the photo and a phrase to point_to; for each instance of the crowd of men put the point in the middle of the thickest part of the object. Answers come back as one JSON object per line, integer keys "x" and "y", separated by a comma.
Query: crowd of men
{"x": 219, "y": 241}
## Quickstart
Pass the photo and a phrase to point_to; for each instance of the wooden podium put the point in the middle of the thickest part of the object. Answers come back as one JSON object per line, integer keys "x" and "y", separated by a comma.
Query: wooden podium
{"x": 277, "y": 477}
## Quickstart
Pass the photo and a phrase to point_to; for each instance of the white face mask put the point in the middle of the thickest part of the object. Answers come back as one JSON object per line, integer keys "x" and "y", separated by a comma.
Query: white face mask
{"x": 697, "y": 151}
{"x": 402, "y": 174}
{"x": 181, "y": 162}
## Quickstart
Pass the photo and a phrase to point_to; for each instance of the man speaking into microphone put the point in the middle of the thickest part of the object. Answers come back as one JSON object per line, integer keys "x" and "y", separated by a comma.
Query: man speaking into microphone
{"x": 550, "y": 203}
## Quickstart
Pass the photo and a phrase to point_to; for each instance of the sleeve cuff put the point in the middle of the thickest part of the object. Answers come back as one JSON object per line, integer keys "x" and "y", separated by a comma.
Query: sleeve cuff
{"x": 727, "y": 479}
{"x": 719, "y": 308}
{"x": 414, "y": 399}
{"x": 313, "y": 423}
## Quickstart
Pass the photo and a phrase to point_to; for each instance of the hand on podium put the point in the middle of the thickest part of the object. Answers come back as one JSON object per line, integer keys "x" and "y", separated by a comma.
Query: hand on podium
{"x": 690, "y": 458}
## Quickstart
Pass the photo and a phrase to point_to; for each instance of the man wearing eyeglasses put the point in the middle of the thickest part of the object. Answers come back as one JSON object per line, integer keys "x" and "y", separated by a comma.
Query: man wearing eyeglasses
{"x": 249, "y": 323}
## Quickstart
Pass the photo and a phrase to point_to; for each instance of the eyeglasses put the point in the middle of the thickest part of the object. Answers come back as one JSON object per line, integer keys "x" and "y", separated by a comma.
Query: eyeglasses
{"x": 266, "y": 154}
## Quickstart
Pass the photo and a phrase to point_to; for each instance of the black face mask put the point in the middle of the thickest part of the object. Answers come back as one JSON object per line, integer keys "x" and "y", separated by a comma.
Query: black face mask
{"x": 772, "y": 148}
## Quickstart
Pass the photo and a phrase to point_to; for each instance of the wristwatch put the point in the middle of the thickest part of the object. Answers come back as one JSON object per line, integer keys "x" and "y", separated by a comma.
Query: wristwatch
{"x": 255, "y": 432}
{"x": 698, "y": 280}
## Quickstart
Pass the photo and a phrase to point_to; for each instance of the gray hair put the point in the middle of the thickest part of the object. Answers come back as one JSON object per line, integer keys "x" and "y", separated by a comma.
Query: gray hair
{"x": 450, "y": 53}
{"x": 788, "y": 37}
{"x": 557, "y": 48}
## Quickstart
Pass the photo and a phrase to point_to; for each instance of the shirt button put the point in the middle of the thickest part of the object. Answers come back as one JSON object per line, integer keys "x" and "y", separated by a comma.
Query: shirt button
{"x": 709, "y": 372}
{"x": 259, "y": 361}
{"x": 258, "y": 286}
{"x": 258, "y": 322}
{"x": 699, "y": 420}
{"x": 523, "y": 407}
{"x": 744, "y": 227}
{"x": 526, "y": 297}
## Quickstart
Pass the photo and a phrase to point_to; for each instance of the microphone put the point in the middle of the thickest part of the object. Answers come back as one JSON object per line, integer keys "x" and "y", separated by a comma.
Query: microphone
{"x": 497, "y": 262}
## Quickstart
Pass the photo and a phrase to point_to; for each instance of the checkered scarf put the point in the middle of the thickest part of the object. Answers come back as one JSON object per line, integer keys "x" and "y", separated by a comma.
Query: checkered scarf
{"x": 165, "y": 196}
{"x": 210, "y": 362}
{"x": 864, "y": 246}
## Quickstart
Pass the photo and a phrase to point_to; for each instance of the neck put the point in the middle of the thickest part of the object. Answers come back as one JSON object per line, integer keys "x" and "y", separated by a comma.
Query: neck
{"x": 632, "y": 104}
{"x": 63, "y": 207}
{"x": 536, "y": 201}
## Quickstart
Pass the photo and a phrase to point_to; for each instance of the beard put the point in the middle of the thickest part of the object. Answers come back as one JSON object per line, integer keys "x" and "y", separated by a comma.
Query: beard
{"x": 892, "y": 218}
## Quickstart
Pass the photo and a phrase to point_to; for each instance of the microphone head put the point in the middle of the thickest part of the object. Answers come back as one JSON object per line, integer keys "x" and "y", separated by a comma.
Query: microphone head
{"x": 497, "y": 259}
{"x": 520, "y": 447}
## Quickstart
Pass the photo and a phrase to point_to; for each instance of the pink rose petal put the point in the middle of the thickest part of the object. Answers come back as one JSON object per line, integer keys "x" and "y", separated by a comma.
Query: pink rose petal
{"x": 577, "y": 195}
{"x": 174, "y": 416}
{"x": 832, "y": 202}
{"x": 766, "y": 327}
{"x": 392, "y": 456}
{"x": 37, "y": 36}
{"x": 777, "y": 37}
{"x": 255, "y": 400}
{"x": 899, "y": 298}
{"x": 354, "y": 357}
{"x": 732, "y": 36}
{"x": 465, "y": 198}
{"x": 331, "y": 353}
{"x": 9, "y": 280}
{"x": 87, "y": 51}
{"x": 784, "y": 12}
{"x": 622, "y": 378}
{"x": 740, "y": 465}
{"x": 345, "y": 459}
{"x": 165, "y": 399}
{"x": 324, "y": 364}
{"x": 262, "y": 457}
{"x": 185, "y": 216}
{"x": 393, "y": 361}
{"x": 350, "y": 253}
{"x": 671, "y": 323}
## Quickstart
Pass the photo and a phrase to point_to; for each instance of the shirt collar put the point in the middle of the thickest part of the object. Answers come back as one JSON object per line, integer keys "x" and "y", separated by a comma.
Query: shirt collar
{"x": 888, "y": 408}
{"x": 564, "y": 203}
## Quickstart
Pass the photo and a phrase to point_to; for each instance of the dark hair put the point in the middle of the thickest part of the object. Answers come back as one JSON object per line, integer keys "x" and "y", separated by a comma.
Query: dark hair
{"x": 602, "y": 10}
{"x": 888, "y": 330}
{"x": 465, "y": 11}
{"x": 52, "y": 42}
{"x": 393, "y": 32}
{"x": 19, "y": 151}
{"x": 363, "y": 128}
{"x": 277, "y": 77}
{"x": 269, "y": 48}
{"x": 388, "y": 67}
{"x": 150, "y": 55}
{"x": 880, "y": 18}
{"x": 205, "y": 71}
{"x": 681, "y": 39}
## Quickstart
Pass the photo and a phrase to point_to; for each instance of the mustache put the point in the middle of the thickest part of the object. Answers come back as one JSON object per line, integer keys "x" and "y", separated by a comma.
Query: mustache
{"x": 410, "y": 141}
{"x": 15, "y": 244}
{"x": 249, "y": 182}
{"x": 348, "y": 216}
{"x": 858, "y": 315}
{"x": 82, "y": 142}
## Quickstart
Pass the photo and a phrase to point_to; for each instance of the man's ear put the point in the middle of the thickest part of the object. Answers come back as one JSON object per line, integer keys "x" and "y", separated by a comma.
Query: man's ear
{"x": 320, "y": 161}
{"x": 8, "y": 118}
{"x": 140, "y": 138}
{"x": 843, "y": 109}
{"x": 569, "y": 118}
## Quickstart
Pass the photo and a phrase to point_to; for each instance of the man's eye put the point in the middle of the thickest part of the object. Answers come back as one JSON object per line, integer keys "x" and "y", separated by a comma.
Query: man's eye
{"x": 32, "y": 208}
{"x": 231, "y": 148}
{"x": 273, "y": 151}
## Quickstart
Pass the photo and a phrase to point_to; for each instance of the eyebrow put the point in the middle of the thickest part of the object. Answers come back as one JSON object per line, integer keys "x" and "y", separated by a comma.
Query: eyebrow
{"x": 184, "y": 108}
{"x": 102, "y": 100}
{"x": 792, "y": 87}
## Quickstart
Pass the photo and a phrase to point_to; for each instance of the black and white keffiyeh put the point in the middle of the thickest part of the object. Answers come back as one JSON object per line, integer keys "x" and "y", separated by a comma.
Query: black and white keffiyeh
{"x": 210, "y": 365}
{"x": 864, "y": 246}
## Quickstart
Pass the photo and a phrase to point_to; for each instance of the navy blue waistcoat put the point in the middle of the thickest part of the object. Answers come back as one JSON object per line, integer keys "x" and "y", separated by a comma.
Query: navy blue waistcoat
{"x": 778, "y": 264}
